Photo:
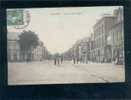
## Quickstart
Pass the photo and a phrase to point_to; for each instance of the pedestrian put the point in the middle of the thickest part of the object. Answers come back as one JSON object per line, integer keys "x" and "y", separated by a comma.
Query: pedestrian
{"x": 27, "y": 59}
{"x": 55, "y": 61}
{"x": 74, "y": 60}
{"x": 86, "y": 61}
{"x": 58, "y": 61}
{"x": 61, "y": 59}
{"x": 77, "y": 60}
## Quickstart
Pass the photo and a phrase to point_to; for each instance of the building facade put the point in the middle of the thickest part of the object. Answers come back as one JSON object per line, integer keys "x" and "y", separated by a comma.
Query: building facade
{"x": 13, "y": 49}
{"x": 38, "y": 52}
{"x": 101, "y": 32}
{"x": 91, "y": 48}
{"x": 46, "y": 54}
{"x": 116, "y": 36}
{"x": 84, "y": 50}
{"x": 76, "y": 49}
{"x": 108, "y": 38}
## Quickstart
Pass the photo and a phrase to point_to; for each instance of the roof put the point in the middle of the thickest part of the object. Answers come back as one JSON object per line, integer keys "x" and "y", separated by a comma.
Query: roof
{"x": 102, "y": 19}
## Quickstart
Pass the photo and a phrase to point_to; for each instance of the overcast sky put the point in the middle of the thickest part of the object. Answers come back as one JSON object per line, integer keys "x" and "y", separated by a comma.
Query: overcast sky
{"x": 60, "y": 28}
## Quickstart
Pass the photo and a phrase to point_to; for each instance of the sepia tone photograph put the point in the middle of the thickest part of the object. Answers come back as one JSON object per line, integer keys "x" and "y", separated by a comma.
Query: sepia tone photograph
{"x": 65, "y": 45}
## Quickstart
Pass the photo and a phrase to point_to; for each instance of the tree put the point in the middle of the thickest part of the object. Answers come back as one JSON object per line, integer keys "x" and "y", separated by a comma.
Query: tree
{"x": 28, "y": 40}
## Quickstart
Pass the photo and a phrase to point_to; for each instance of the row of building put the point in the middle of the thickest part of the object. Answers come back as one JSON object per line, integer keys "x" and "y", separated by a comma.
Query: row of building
{"x": 15, "y": 54}
{"x": 105, "y": 44}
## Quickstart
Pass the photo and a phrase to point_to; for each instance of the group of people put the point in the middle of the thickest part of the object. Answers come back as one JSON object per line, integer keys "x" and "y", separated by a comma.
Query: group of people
{"x": 75, "y": 60}
{"x": 58, "y": 60}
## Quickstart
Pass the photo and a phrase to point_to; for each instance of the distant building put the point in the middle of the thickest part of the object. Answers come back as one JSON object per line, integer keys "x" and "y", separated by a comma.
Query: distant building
{"x": 92, "y": 48}
{"x": 80, "y": 51}
{"x": 76, "y": 50}
{"x": 68, "y": 55}
{"x": 84, "y": 50}
{"x": 38, "y": 52}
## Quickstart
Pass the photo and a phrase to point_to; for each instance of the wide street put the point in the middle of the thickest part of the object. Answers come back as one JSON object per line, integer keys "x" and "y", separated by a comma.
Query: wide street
{"x": 46, "y": 72}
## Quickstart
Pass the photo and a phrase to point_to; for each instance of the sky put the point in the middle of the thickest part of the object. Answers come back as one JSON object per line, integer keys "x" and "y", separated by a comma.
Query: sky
{"x": 60, "y": 28}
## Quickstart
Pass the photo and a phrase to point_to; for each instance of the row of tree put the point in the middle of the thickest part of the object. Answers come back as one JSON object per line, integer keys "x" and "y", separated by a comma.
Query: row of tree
{"x": 28, "y": 41}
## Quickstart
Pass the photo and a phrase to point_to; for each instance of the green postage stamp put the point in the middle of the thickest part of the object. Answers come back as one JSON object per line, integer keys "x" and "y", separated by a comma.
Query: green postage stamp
{"x": 15, "y": 17}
